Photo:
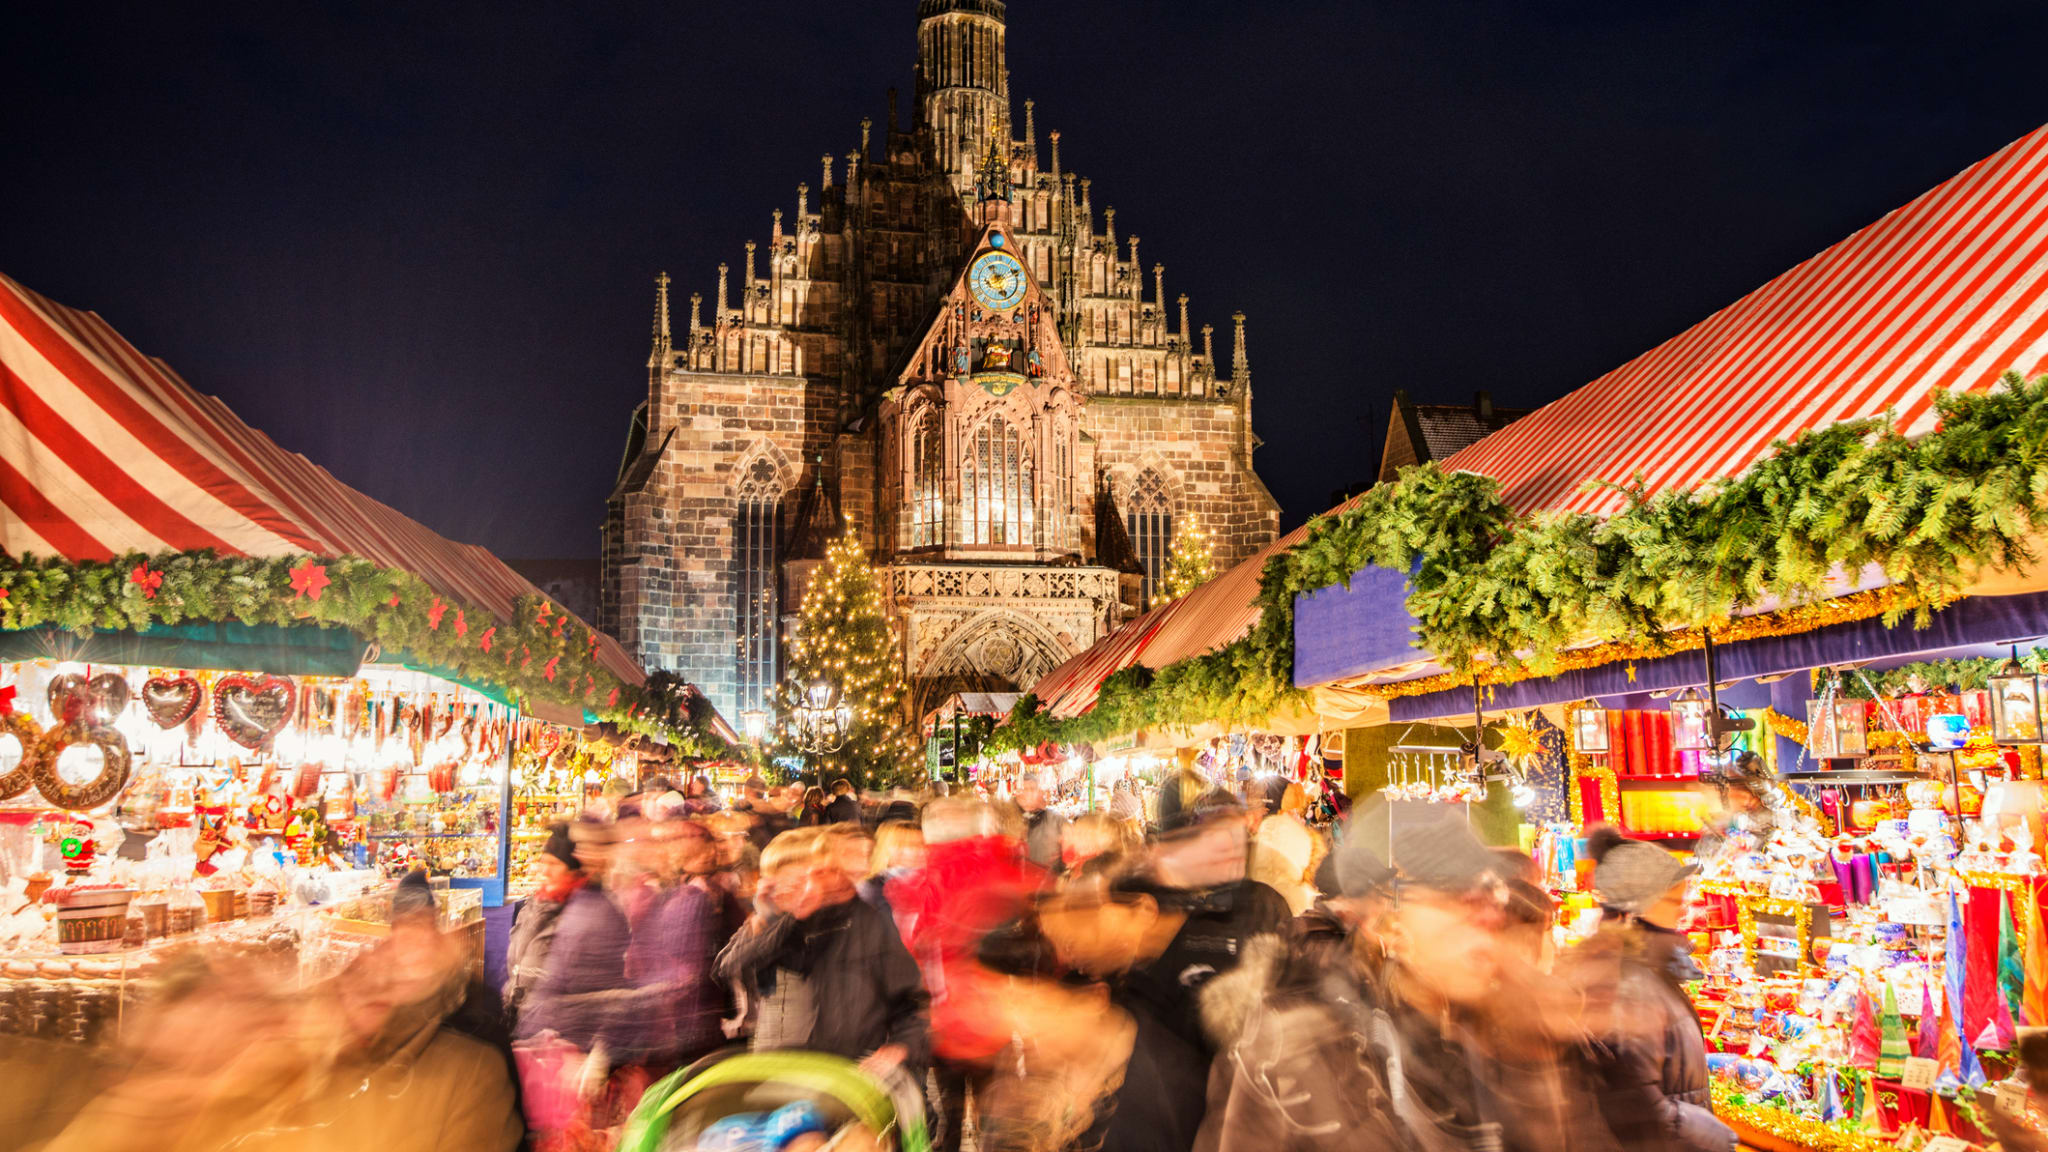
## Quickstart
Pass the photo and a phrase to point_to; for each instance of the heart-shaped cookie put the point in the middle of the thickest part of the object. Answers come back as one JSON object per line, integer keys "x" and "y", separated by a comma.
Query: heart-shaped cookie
{"x": 98, "y": 700}
{"x": 251, "y": 711}
{"x": 171, "y": 700}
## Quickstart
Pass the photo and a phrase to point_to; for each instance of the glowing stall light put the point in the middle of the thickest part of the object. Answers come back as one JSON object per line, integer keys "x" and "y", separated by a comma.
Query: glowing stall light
{"x": 2015, "y": 704}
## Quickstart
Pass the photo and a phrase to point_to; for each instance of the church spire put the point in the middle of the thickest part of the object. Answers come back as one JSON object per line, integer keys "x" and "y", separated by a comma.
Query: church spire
{"x": 1240, "y": 364}
{"x": 963, "y": 81}
{"x": 659, "y": 357}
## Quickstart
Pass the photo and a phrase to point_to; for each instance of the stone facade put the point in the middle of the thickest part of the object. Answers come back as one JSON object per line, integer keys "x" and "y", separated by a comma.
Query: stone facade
{"x": 995, "y": 455}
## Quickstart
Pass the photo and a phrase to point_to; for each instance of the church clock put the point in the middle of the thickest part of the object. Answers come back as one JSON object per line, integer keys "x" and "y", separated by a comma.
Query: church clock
{"x": 997, "y": 280}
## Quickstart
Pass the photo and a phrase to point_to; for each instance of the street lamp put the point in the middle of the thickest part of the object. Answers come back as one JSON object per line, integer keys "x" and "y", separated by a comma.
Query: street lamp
{"x": 822, "y": 721}
{"x": 754, "y": 725}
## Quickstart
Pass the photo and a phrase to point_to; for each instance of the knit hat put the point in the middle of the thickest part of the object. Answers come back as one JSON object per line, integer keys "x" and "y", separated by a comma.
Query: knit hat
{"x": 1211, "y": 806}
{"x": 1430, "y": 845}
{"x": 1352, "y": 868}
{"x": 561, "y": 847}
{"x": 1632, "y": 875}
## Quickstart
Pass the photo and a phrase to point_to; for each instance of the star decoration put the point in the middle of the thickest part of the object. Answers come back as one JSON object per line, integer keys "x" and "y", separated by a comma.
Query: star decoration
{"x": 435, "y": 613}
{"x": 1631, "y": 672}
{"x": 309, "y": 580}
{"x": 146, "y": 580}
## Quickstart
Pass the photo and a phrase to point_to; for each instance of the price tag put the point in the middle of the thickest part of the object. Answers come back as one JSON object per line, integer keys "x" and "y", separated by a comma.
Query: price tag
{"x": 1920, "y": 1073}
{"x": 2012, "y": 1098}
{"x": 1945, "y": 1144}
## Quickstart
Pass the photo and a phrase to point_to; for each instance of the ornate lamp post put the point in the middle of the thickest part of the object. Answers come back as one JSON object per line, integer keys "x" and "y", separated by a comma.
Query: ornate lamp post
{"x": 821, "y": 724}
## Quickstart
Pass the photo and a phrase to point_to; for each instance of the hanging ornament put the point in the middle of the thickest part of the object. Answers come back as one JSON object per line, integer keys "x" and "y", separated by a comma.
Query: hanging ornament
{"x": 96, "y": 757}
{"x": 251, "y": 712}
{"x": 20, "y": 747}
{"x": 99, "y": 700}
{"x": 172, "y": 700}
{"x": 1520, "y": 742}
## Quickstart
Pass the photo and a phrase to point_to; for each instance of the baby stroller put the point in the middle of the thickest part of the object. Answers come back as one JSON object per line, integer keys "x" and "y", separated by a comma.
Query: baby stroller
{"x": 777, "y": 1101}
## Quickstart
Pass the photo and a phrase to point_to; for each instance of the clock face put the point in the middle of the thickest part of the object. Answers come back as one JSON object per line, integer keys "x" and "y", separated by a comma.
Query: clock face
{"x": 997, "y": 280}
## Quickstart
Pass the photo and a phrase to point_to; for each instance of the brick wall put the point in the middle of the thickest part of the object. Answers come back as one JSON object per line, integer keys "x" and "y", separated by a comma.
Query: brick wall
{"x": 1198, "y": 447}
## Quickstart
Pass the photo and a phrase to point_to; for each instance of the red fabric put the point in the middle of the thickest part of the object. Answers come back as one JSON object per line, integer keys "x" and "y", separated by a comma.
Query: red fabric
{"x": 965, "y": 889}
{"x": 1980, "y": 961}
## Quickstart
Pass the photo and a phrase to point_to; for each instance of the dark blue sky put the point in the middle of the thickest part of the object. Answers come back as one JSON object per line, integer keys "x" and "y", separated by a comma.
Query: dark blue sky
{"x": 416, "y": 242}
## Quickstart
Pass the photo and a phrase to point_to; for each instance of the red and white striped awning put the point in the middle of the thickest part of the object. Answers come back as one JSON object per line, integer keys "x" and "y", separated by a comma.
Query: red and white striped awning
{"x": 104, "y": 450}
{"x": 1947, "y": 292}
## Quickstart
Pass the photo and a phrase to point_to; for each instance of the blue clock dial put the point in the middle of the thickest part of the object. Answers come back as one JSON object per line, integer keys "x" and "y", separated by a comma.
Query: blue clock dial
{"x": 997, "y": 280}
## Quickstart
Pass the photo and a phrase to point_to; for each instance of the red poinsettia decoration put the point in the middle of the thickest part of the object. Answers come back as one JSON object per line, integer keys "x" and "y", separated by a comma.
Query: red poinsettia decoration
{"x": 146, "y": 580}
{"x": 548, "y": 669}
{"x": 525, "y": 657}
{"x": 309, "y": 580}
{"x": 559, "y": 621}
{"x": 612, "y": 700}
{"x": 435, "y": 613}
{"x": 393, "y": 602}
{"x": 461, "y": 626}
{"x": 592, "y": 636}
{"x": 542, "y": 613}
{"x": 484, "y": 641}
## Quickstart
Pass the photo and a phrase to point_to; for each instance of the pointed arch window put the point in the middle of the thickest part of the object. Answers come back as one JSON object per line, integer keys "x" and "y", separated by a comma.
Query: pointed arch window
{"x": 1061, "y": 519}
{"x": 1148, "y": 516}
{"x": 757, "y": 549}
{"x": 927, "y": 480}
{"x": 995, "y": 486}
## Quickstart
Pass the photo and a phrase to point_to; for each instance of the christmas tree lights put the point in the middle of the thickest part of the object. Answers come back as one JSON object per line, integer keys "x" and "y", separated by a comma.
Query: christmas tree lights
{"x": 844, "y": 639}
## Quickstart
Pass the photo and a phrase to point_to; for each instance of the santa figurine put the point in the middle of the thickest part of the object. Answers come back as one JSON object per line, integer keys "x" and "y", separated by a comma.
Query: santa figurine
{"x": 76, "y": 845}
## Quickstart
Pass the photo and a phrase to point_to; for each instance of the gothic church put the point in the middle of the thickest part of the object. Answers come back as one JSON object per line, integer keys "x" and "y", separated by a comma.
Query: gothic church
{"x": 949, "y": 349}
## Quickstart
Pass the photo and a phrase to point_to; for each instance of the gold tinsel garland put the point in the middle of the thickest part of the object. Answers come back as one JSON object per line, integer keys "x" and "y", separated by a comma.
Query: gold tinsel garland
{"x": 1785, "y": 622}
{"x": 1798, "y": 732}
{"x": 1794, "y": 1129}
{"x": 1582, "y": 768}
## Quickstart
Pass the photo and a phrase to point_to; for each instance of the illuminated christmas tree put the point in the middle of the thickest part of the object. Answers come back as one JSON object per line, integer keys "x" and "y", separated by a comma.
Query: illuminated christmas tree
{"x": 1190, "y": 560}
{"x": 844, "y": 640}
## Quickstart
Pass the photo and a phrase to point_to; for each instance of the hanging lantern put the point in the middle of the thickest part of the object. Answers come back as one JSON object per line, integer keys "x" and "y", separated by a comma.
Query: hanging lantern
{"x": 1837, "y": 729}
{"x": 1689, "y": 729}
{"x": 2015, "y": 705}
{"x": 1589, "y": 728}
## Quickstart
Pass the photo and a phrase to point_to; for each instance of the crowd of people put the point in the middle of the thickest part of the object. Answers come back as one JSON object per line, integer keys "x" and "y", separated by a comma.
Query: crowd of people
{"x": 1218, "y": 974}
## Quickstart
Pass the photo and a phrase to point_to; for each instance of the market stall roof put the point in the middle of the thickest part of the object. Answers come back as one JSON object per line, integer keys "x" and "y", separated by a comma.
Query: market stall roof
{"x": 1219, "y": 612}
{"x": 105, "y": 451}
{"x": 1949, "y": 291}
{"x": 974, "y": 704}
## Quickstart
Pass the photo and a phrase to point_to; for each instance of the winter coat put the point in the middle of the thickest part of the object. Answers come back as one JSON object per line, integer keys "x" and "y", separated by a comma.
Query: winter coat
{"x": 526, "y": 950}
{"x": 966, "y": 888}
{"x": 581, "y": 998}
{"x": 1649, "y": 1059}
{"x": 843, "y": 810}
{"x": 1042, "y": 831}
{"x": 1220, "y": 924}
{"x": 676, "y": 1003}
{"x": 839, "y": 982}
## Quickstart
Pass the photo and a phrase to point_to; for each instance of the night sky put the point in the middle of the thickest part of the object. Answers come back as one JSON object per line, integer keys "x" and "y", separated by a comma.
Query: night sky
{"x": 417, "y": 241}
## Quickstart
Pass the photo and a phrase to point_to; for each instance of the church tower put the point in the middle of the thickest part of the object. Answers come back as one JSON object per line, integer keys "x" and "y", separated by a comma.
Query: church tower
{"x": 952, "y": 351}
{"x": 963, "y": 82}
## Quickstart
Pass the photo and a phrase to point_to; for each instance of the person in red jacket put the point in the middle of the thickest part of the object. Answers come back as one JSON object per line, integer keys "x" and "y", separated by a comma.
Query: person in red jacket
{"x": 973, "y": 880}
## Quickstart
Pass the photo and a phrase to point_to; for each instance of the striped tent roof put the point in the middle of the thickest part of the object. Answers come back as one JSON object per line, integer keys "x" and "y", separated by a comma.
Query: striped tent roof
{"x": 104, "y": 450}
{"x": 1949, "y": 291}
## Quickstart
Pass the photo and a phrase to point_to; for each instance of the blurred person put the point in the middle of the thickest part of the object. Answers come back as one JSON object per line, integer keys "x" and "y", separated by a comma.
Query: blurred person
{"x": 586, "y": 960}
{"x": 233, "y": 1054}
{"x": 1124, "y": 803}
{"x": 1197, "y": 869}
{"x": 1084, "y": 1070}
{"x": 1649, "y": 1054}
{"x": 1395, "y": 1047}
{"x": 844, "y": 807}
{"x": 535, "y": 917}
{"x": 973, "y": 879}
{"x": 676, "y": 1003}
{"x": 830, "y": 972}
{"x": 1285, "y": 851}
{"x": 851, "y": 848}
{"x": 899, "y": 851}
{"x": 700, "y": 798}
{"x": 1179, "y": 788}
{"x": 1095, "y": 836}
{"x": 810, "y": 811}
{"x": 1042, "y": 825}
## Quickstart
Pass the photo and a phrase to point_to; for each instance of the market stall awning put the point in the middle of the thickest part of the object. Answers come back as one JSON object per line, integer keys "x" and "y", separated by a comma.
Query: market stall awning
{"x": 106, "y": 451}
{"x": 1949, "y": 291}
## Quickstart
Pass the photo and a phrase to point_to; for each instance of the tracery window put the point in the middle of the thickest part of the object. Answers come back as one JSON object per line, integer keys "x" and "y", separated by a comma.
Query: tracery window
{"x": 995, "y": 486}
{"x": 927, "y": 480}
{"x": 1148, "y": 516}
{"x": 757, "y": 545}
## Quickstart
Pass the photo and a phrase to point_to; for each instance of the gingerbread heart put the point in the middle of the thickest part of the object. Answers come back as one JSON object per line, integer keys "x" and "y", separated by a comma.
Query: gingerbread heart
{"x": 171, "y": 700}
{"x": 252, "y": 712}
{"x": 98, "y": 700}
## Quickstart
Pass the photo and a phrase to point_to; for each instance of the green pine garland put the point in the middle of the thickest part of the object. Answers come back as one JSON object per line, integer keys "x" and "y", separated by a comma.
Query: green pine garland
{"x": 1489, "y": 587}
{"x": 542, "y": 653}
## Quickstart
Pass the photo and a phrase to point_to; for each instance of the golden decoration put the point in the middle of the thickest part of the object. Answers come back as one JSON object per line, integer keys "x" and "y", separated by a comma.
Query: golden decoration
{"x": 1520, "y": 742}
{"x": 1748, "y": 908}
{"x": 2009, "y": 883}
{"x": 1583, "y": 768}
{"x": 1786, "y": 622}
{"x": 1798, "y": 732}
{"x": 1792, "y": 1128}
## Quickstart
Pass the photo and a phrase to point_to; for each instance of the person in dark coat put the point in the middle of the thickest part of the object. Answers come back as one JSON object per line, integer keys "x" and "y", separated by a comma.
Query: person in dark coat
{"x": 826, "y": 971}
{"x": 1648, "y": 1054}
{"x": 1198, "y": 875}
{"x": 535, "y": 918}
{"x": 1042, "y": 825}
{"x": 845, "y": 806}
{"x": 579, "y": 996}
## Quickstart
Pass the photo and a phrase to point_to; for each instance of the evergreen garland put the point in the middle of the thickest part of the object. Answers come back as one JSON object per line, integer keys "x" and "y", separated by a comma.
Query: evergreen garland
{"x": 541, "y": 653}
{"x": 1507, "y": 593}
